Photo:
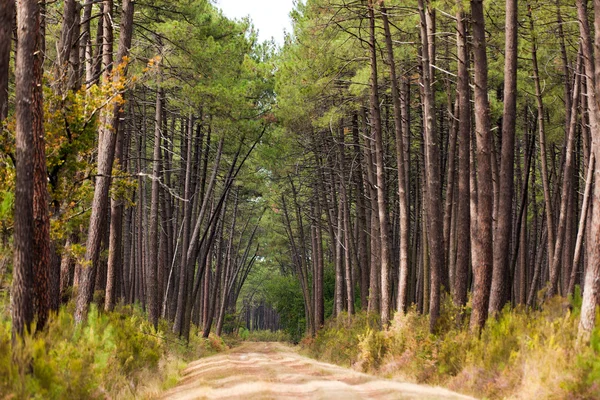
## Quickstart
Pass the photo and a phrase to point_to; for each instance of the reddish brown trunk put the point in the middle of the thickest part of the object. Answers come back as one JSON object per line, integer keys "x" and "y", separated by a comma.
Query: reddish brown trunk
{"x": 500, "y": 282}
{"x": 107, "y": 144}
{"x": 461, "y": 275}
{"x": 400, "y": 162}
{"x": 7, "y": 14}
{"x": 380, "y": 174}
{"x": 433, "y": 200}
{"x": 566, "y": 187}
{"x": 28, "y": 28}
{"x": 41, "y": 198}
{"x": 482, "y": 245}
{"x": 542, "y": 133}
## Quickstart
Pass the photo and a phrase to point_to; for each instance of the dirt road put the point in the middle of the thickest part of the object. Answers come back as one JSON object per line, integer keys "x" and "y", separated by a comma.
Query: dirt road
{"x": 276, "y": 371}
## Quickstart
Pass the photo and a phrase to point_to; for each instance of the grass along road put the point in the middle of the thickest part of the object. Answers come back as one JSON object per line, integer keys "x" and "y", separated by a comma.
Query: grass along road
{"x": 276, "y": 371}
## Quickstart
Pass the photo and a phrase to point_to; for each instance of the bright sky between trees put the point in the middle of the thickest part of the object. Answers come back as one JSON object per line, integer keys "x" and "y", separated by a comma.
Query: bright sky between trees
{"x": 270, "y": 17}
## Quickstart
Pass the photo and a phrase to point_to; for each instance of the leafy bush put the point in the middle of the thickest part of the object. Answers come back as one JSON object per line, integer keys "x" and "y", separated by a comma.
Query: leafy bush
{"x": 373, "y": 346}
{"x": 520, "y": 354}
{"x": 269, "y": 336}
{"x": 117, "y": 354}
{"x": 338, "y": 341}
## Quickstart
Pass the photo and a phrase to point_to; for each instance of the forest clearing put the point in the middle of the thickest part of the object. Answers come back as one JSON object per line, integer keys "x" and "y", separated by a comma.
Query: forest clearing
{"x": 408, "y": 189}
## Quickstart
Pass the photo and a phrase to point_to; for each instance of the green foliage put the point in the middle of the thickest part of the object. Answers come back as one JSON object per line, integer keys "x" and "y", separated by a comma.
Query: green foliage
{"x": 338, "y": 342}
{"x": 117, "y": 354}
{"x": 6, "y": 204}
{"x": 521, "y": 354}
{"x": 265, "y": 336}
{"x": 372, "y": 345}
{"x": 285, "y": 295}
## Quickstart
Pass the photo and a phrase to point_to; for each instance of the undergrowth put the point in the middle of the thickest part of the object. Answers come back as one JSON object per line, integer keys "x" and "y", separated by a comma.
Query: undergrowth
{"x": 264, "y": 335}
{"x": 520, "y": 355}
{"x": 111, "y": 355}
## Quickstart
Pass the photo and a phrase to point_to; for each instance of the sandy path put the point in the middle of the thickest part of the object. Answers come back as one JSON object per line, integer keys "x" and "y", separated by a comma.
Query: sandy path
{"x": 276, "y": 371}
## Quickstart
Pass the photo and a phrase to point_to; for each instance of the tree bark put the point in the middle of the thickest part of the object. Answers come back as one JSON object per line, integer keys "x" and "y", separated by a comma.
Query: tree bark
{"x": 28, "y": 32}
{"x": 542, "y": 133}
{"x": 582, "y": 225}
{"x": 380, "y": 174}
{"x": 41, "y": 198}
{"x": 187, "y": 220}
{"x": 500, "y": 285}
{"x": 433, "y": 201}
{"x": 70, "y": 26}
{"x": 566, "y": 187}
{"x": 461, "y": 275}
{"x": 482, "y": 249}
{"x": 591, "y": 294}
{"x": 106, "y": 153}
{"x": 7, "y": 15}
{"x": 400, "y": 153}
{"x": 152, "y": 295}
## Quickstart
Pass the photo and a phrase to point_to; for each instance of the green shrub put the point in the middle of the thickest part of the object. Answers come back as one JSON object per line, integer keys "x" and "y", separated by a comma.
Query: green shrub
{"x": 372, "y": 345}
{"x": 520, "y": 354}
{"x": 268, "y": 336}
{"x": 338, "y": 342}
{"x": 117, "y": 355}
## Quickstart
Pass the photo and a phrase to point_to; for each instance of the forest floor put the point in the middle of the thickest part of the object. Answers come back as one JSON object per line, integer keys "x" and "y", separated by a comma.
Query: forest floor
{"x": 261, "y": 370}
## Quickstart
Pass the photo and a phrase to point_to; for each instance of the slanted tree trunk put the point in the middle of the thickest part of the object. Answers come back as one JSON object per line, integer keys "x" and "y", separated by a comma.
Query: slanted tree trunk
{"x": 115, "y": 245}
{"x": 106, "y": 152}
{"x": 566, "y": 187}
{"x": 582, "y": 224}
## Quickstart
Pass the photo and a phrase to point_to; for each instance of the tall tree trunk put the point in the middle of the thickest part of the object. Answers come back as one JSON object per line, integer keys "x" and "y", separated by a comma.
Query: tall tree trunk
{"x": 591, "y": 294}
{"x": 482, "y": 249}
{"x": 542, "y": 133}
{"x": 433, "y": 201}
{"x": 380, "y": 174}
{"x": 152, "y": 295}
{"x": 70, "y": 26}
{"x": 400, "y": 153}
{"x": 28, "y": 28}
{"x": 117, "y": 206}
{"x": 344, "y": 215}
{"x": 86, "y": 52}
{"x": 582, "y": 224}
{"x": 319, "y": 309}
{"x": 374, "y": 267}
{"x": 461, "y": 274}
{"x": 566, "y": 187}
{"x": 106, "y": 151}
{"x": 41, "y": 198}
{"x": 187, "y": 220}
{"x": 7, "y": 15}
{"x": 500, "y": 285}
